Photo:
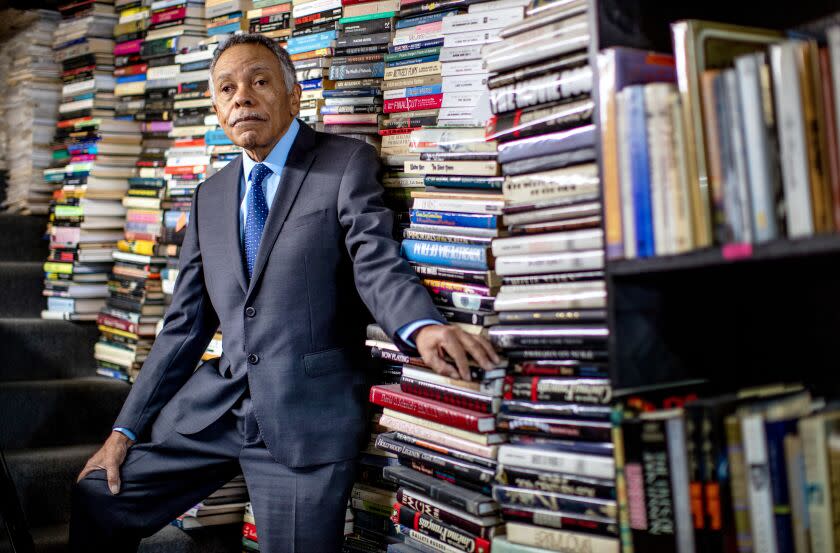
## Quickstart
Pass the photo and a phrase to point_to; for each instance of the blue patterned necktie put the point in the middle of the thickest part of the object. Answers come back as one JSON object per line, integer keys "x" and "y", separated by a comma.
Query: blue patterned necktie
{"x": 257, "y": 214}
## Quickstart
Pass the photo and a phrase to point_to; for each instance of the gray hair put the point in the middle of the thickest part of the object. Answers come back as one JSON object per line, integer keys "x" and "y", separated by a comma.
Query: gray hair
{"x": 286, "y": 65}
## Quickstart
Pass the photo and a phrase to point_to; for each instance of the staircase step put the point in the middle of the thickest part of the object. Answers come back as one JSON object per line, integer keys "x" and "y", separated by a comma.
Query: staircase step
{"x": 24, "y": 238}
{"x": 221, "y": 539}
{"x": 46, "y": 349}
{"x": 21, "y": 286}
{"x": 44, "y": 479}
{"x": 59, "y": 412}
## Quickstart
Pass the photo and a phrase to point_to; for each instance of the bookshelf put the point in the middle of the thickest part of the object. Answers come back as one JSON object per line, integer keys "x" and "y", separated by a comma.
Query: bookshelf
{"x": 736, "y": 315}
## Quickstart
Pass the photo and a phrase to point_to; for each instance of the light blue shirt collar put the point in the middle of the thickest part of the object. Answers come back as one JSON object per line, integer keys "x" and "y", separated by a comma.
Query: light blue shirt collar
{"x": 276, "y": 159}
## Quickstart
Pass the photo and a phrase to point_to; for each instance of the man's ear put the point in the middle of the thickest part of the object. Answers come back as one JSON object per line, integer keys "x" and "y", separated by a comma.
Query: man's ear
{"x": 215, "y": 109}
{"x": 294, "y": 100}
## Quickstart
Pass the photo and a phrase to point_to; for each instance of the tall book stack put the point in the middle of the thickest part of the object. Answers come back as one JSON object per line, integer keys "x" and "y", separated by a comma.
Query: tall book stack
{"x": 354, "y": 109}
{"x": 86, "y": 216}
{"x": 271, "y": 18}
{"x": 129, "y": 67}
{"x": 555, "y": 478}
{"x": 225, "y": 17}
{"x": 31, "y": 108}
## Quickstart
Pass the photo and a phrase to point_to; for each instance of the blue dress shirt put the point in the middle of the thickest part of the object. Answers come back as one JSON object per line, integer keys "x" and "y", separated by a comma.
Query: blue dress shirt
{"x": 276, "y": 161}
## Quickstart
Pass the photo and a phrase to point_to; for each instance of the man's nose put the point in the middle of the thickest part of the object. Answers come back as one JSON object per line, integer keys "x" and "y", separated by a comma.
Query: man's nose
{"x": 243, "y": 97}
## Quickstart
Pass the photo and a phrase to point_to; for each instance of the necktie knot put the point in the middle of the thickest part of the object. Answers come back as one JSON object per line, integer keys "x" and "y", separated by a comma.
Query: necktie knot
{"x": 258, "y": 173}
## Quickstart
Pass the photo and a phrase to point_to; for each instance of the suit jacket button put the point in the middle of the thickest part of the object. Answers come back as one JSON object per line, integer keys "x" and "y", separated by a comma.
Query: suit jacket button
{"x": 253, "y": 358}
{"x": 250, "y": 311}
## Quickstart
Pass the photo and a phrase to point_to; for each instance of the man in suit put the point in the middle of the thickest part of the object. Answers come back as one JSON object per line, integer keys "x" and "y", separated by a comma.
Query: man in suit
{"x": 287, "y": 248}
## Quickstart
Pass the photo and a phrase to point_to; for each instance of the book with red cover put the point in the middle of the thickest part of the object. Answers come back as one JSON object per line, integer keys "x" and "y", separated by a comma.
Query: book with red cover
{"x": 444, "y": 532}
{"x": 451, "y": 396}
{"x": 414, "y": 103}
{"x": 393, "y": 397}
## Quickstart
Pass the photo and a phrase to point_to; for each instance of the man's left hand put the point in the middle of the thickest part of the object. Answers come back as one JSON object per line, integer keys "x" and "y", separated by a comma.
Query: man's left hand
{"x": 434, "y": 342}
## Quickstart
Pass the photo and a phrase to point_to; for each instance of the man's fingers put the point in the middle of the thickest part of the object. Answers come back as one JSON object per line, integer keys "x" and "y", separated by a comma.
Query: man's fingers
{"x": 452, "y": 345}
{"x": 488, "y": 347}
{"x": 473, "y": 346}
{"x": 113, "y": 472}
{"x": 437, "y": 363}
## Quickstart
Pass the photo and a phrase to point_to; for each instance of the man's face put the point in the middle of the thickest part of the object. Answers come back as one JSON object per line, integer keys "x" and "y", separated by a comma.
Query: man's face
{"x": 252, "y": 101}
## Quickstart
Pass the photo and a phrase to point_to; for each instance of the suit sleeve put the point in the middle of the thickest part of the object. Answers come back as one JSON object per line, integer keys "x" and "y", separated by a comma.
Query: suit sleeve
{"x": 385, "y": 281}
{"x": 189, "y": 325}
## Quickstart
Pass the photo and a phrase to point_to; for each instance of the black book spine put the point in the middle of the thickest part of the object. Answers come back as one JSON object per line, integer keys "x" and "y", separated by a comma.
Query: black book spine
{"x": 558, "y": 316}
{"x": 555, "y": 482}
{"x": 572, "y": 390}
{"x": 441, "y": 531}
{"x": 468, "y": 457}
{"x": 473, "y": 473}
{"x": 439, "y": 490}
{"x": 407, "y": 499}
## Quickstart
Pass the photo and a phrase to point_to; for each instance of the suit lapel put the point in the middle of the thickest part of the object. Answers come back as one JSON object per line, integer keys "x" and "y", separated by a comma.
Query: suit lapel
{"x": 297, "y": 166}
{"x": 230, "y": 220}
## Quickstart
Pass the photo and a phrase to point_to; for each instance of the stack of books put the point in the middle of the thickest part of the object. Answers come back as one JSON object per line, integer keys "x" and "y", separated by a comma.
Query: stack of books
{"x": 443, "y": 431}
{"x": 354, "y": 109}
{"x": 271, "y": 18}
{"x": 129, "y": 67}
{"x": 225, "y": 17}
{"x": 739, "y": 153}
{"x": 373, "y": 496}
{"x": 227, "y": 505}
{"x": 86, "y": 217}
{"x": 453, "y": 222}
{"x": 31, "y": 107}
{"x": 311, "y": 47}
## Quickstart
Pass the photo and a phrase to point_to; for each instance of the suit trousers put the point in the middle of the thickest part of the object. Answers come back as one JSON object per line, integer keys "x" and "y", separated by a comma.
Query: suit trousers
{"x": 296, "y": 509}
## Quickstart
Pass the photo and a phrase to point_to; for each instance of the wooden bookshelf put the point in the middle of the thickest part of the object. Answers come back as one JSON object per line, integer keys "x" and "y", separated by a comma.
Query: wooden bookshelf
{"x": 736, "y": 315}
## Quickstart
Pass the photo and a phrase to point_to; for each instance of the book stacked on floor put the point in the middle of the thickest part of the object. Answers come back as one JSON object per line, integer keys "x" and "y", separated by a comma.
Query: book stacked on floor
{"x": 225, "y": 17}
{"x": 753, "y": 470}
{"x": 227, "y": 505}
{"x": 311, "y": 46}
{"x": 741, "y": 152}
{"x": 354, "y": 106}
{"x": 129, "y": 66}
{"x": 86, "y": 215}
{"x": 443, "y": 432}
{"x": 372, "y": 496}
{"x": 31, "y": 107}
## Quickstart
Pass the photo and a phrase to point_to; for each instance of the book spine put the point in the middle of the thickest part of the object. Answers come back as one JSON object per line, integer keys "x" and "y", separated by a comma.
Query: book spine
{"x": 640, "y": 173}
{"x": 410, "y": 500}
{"x": 560, "y": 540}
{"x": 433, "y": 411}
{"x": 437, "y": 490}
{"x": 589, "y": 391}
{"x": 452, "y": 219}
{"x": 759, "y": 491}
{"x": 439, "y": 437}
{"x": 437, "y": 253}
{"x": 818, "y": 482}
{"x": 458, "y": 398}
{"x": 678, "y": 467}
{"x": 445, "y": 533}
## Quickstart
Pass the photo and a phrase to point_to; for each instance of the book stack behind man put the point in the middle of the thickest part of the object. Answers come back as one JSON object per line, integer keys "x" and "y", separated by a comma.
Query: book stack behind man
{"x": 443, "y": 432}
{"x": 250, "y": 542}
{"x": 31, "y": 100}
{"x": 225, "y": 17}
{"x": 738, "y": 153}
{"x": 271, "y": 18}
{"x": 354, "y": 106}
{"x": 227, "y": 505}
{"x": 86, "y": 216}
{"x": 129, "y": 67}
{"x": 372, "y": 495}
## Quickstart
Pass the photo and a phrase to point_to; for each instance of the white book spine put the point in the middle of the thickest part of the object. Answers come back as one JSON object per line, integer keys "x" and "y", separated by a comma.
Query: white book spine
{"x": 459, "y": 100}
{"x": 589, "y": 239}
{"x": 833, "y": 38}
{"x": 681, "y": 196}
{"x": 759, "y": 490}
{"x": 460, "y": 53}
{"x": 472, "y": 38}
{"x": 460, "y": 206}
{"x": 467, "y": 67}
{"x": 739, "y": 186}
{"x": 657, "y": 115}
{"x": 551, "y": 539}
{"x": 497, "y": 5}
{"x": 468, "y": 83}
{"x": 675, "y": 428}
{"x": 817, "y": 483}
{"x": 593, "y": 466}
{"x": 625, "y": 179}
{"x": 757, "y": 147}
{"x": 482, "y": 21}
{"x": 791, "y": 129}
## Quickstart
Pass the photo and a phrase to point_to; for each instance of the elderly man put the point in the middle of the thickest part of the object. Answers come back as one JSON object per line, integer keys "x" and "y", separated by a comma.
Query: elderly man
{"x": 287, "y": 248}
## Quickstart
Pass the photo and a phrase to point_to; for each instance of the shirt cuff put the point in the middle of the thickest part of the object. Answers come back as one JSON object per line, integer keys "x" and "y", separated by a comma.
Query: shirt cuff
{"x": 128, "y": 433}
{"x": 407, "y": 330}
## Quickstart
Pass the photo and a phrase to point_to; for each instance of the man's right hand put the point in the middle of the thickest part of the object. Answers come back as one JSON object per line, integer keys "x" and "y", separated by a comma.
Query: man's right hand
{"x": 109, "y": 458}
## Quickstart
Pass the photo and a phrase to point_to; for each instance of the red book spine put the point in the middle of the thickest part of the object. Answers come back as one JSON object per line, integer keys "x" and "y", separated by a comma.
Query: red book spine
{"x": 396, "y": 105}
{"x": 403, "y": 130}
{"x": 130, "y": 70}
{"x": 407, "y": 498}
{"x": 351, "y": 2}
{"x": 249, "y": 531}
{"x": 425, "y": 389}
{"x": 454, "y": 537}
{"x": 271, "y": 10}
{"x": 114, "y": 322}
{"x": 393, "y": 397}
{"x": 169, "y": 15}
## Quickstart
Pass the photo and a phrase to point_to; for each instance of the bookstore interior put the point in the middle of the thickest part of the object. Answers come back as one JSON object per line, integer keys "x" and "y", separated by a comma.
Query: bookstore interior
{"x": 609, "y": 191}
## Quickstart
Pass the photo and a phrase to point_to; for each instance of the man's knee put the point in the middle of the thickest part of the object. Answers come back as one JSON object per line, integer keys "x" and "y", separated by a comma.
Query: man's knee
{"x": 91, "y": 493}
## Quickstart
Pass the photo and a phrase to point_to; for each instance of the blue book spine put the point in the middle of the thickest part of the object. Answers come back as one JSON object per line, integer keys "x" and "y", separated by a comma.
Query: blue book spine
{"x": 352, "y": 93}
{"x": 463, "y": 256}
{"x": 640, "y": 172}
{"x": 223, "y": 29}
{"x": 64, "y": 305}
{"x": 216, "y": 137}
{"x": 311, "y": 84}
{"x": 423, "y": 19}
{"x": 415, "y": 45}
{"x": 775, "y": 432}
{"x": 423, "y": 90}
{"x": 297, "y": 45}
{"x": 453, "y": 219}
{"x": 412, "y": 61}
{"x": 491, "y": 183}
{"x": 131, "y": 78}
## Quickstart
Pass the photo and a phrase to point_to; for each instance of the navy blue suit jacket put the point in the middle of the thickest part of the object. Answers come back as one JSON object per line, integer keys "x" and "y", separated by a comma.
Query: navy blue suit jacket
{"x": 294, "y": 333}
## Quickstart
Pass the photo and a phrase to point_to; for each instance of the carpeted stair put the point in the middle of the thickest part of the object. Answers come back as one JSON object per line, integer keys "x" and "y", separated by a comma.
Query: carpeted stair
{"x": 54, "y": 410}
